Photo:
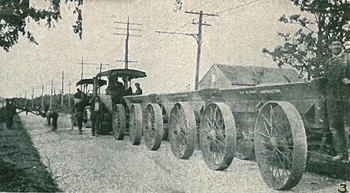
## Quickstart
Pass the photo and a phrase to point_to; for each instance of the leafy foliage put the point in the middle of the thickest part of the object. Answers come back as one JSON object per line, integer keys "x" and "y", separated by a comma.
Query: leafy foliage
{"x": 307, "y": 49}
{"x": 14, "y": 15}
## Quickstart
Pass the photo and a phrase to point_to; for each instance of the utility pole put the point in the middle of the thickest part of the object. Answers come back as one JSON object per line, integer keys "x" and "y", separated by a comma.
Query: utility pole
{"x": 33, "y": 98}
{"x": 82, "y": 68}
{"x": 42, "y": 97}
{"x": 83, "y": 63}
{"x": 62, "y": 91}
{"x": 127, "y": 35}
{"x": 51, "y": 93}
{"x": 69, "y": 94}
{"x": 101, "y": 66}
{"x": 25, "y": 98}
{"x": 198, "y": 38}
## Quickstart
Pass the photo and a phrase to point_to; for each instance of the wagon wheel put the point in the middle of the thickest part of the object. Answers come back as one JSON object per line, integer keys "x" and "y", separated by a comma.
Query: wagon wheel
{"x": 217, "y": 136}
{"x": 165, "y": 123}
{"x": 182, "y": 130}
{"x": 119, "y": 123}
{"x": 245, "y": 149}
{"x": 153, "y": 126}
{"x": 280, "y": 145}
{"x": 135, "y": 124}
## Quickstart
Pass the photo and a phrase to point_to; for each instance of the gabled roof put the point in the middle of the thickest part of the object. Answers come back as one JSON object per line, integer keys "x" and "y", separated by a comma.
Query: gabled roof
{"x": 253, "y": 75}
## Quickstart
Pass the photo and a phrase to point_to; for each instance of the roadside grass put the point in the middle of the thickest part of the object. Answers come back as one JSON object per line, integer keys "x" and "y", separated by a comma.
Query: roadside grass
{"x": 20, "y": 167}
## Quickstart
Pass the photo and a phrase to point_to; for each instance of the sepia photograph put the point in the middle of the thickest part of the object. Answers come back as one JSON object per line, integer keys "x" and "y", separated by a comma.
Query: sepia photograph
{"x": 175, "y": 96}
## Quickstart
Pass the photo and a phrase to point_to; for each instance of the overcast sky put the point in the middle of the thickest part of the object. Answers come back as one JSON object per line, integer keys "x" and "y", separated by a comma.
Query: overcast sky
{"x": 236, "y": 37}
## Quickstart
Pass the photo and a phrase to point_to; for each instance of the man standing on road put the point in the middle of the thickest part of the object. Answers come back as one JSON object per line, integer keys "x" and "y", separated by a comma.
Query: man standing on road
{"x": 52, "y": 113}
{"x": 78, "y": 113}
{"x": 337, "y": 73}
{"x": 97, "y": 109}
{"x": 10, "y": 112}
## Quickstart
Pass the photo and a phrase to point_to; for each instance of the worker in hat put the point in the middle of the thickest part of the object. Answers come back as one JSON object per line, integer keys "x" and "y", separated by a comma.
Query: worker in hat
{"x": 336, "y": 74}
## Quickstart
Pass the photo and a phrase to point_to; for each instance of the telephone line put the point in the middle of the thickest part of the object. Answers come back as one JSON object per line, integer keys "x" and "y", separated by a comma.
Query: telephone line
{"x": 152, "y": 45}
{"x": 236, "y": 7}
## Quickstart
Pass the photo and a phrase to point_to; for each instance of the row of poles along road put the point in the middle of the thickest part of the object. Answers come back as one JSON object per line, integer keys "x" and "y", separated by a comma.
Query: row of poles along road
{"x": 197, "y": 36}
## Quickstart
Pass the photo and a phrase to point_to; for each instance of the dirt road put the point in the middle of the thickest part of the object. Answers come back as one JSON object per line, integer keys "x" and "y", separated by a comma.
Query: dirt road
{"x": 83, "y": 163}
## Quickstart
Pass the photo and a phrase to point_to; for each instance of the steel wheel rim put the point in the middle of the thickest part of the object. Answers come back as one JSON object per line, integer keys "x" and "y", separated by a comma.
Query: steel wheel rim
{"x": 132, "y": 124}
{"x": 135, "y": 121}
{"x": 153, "y": 129}
{"x": 182, "y": 128}
{"x": 280, "y": 145}
{"x": 217, "y": 136}
{"x": 118, "y": 123}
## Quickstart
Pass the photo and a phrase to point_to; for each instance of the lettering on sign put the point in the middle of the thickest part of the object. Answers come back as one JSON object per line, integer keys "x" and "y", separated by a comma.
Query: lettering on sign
{"x": 269, "y": 91}
{"x": 247, "y": 92}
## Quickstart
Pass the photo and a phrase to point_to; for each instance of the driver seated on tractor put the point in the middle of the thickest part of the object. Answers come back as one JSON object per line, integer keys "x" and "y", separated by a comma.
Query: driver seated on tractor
{"x": 337, "y": 74}
{"x": 128, "y": 91}
{"x": 116, "y": 91}
{"x": 79, "y": 94}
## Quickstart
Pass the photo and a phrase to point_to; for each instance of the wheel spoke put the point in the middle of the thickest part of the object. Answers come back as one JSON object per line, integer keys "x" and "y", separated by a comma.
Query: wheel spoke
{"x": 264, "y": 151}
{"x": 266, "y": 126}
{"x": 182, "y": 138}
{"x": 282, "y": 164}
{"x": 174, "y": 116}
{"x": 262, "y": 134}
{"x": 284, "y": 156}
{"x": 271, "y": 120}
{"x": 209, "y": 122}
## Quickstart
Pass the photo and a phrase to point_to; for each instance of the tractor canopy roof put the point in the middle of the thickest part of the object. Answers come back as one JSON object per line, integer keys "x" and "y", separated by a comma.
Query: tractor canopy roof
{"x": 123, "y": 73}
{"x": 91, "y": 81}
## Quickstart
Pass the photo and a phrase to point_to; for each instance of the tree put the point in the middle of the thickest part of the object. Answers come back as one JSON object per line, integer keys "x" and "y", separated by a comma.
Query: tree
{"x": 15, "y": 14}
{"x": 307, "y": 49}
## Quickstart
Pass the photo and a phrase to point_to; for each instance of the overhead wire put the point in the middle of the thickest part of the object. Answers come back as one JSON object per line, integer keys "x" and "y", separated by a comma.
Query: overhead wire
{"x": 154, "y": 44}
{"x": 162, "y": 24}
{"x": 162, "y": 39}
{"x": 236, "y": 7}
{"x": 198, "y": 6}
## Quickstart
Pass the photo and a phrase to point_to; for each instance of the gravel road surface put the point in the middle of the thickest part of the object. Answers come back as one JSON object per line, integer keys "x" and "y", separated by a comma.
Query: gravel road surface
{"x": 83, "y": 163}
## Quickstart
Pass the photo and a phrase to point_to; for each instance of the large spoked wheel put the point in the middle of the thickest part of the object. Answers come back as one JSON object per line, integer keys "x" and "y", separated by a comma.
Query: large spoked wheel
{"x": 280, "y": 145}
{"x": 119, "y": 122}
{"x": 217, "y": 136}
{"x": 135, "y": 124}
{"x": 153, "y": 126}
{"x": 182, "y": 130}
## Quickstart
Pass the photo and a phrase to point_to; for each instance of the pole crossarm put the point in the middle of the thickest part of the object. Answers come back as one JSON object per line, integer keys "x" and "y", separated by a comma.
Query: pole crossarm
{"x": 177, "y": 33}
{"x": 128, "y": 23}
{"x": 129, "y": 61}
{"x": 119, "y": 34}
{"x": 127, "y": 29}
{"x": 205, "y": 24}
{"x": 206, "y": 14}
